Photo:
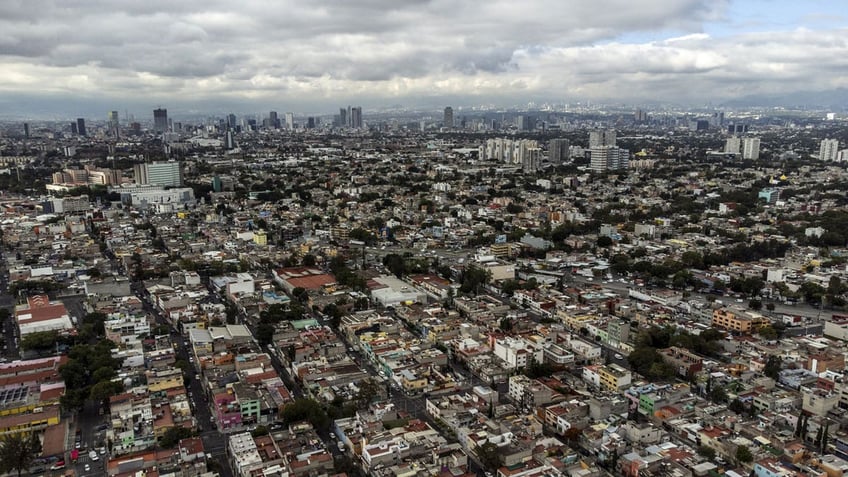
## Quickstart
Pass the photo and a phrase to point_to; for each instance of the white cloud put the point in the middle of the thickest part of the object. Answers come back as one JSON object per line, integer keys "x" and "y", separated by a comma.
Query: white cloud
{"x": 390, "y": 49}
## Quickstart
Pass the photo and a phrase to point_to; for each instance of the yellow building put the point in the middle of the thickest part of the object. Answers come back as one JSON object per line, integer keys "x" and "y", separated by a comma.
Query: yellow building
{"x": 412, "y": 382}
{"x": 260, "y": 237}
{"x": 614, "y": 378}
{"x": 575, "y": 322}
{"x": 165, "y": 379}
{"x": 39, "y": 418}
{"x": 739, "y": 321}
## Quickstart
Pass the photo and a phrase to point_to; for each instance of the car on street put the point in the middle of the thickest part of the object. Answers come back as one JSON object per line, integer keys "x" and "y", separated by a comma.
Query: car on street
{"x": 58, "y": 465}
{"x": 87, "y": 468}
{"x": 618, "y": 356}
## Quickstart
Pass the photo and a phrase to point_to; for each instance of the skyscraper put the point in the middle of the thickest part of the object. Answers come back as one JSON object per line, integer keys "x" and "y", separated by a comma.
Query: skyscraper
{"x": 343, "y": 120}
{"x": 558, "y": 150}
{"x": 356, "y": 117}
{"x": 289, "y": 121}
{"x": 448, "y": 121}
{"x": 160, "y": 120}
{"x": 230, "y": 142}
{"x": 601, "y": 137}
{"x": 81, "y": 127}
{"x": 751, "y": 148}
{"x": 531, "y": 160}
{"x": 231, "y": 121}
{"x": 114, "y": 125}
{"x": 274, "y": 120}
{"x": 26, "y": 130}
{"x": 829, "y": 149}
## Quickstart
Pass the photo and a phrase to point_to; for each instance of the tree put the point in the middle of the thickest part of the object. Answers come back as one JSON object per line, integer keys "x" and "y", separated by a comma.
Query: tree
{"x": 707, "y": 452}
{"x": 305, "y": 409}
{"x": 773, "y": 366}
{"x": 395, "y": 264}
{"x": 743, "y": 454}
{"x": 767, "y": 333}
{"x": 103, "y": 390}
{"x": 736, "y": 406}
{"x": 309, "y": 260}
{"x": 17, "y": 451}
{"x": 173, "y": 436}
{"x": 473, "y": 277}
{"x": 755, "y": 304}
{"x": 264, "y": 333}
{"x": 604, "y": 241}
{"x": 42, "y": 340}
{"x": 489, "y": 456}
{"x": 718, "y": 395}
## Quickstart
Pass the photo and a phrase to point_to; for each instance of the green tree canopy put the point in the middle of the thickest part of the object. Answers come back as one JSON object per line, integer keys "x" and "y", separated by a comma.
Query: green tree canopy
{"x": 17, "y": 451}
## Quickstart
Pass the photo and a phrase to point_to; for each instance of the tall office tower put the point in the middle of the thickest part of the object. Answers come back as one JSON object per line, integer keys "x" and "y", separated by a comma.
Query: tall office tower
{"x": 601, "y": 137}
{"x": 609, "y": 158}
{"x": 521, "y": 150}
{"x": 160, "y": 120}
{"x": 230, "y": 140}
{"x": 310, "y": 122}
{"x": 164, "y": 174}
{"x": 74, "y": 128}
{"x": 356, "y": 117}
{"x": 114, "y": 124}
{"x": 343, "y": 120}
{"x": 231, "y": 121}
{"x": 717, "y": 120}
{"x": 524, "y": 122}
{"x": 26, "y": 130}
{"x": 829, "y": 149}
{"x": 733, "y": 145}
{"x": 448, "y": 121}
{"x": 274, "y": 120}
{"x": 751, "y": 148}
{"x": 558, "y": 150}
{"x": 290, "y": 121}
{"x": 531, "y": 160}
{"x": 640, "y": 116}
{"x": 81, "y": 127}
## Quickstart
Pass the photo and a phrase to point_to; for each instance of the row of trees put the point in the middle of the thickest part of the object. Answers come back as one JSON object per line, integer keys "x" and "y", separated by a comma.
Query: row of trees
{"x": 90, "y": 373}
{"x": 647, "y": 361}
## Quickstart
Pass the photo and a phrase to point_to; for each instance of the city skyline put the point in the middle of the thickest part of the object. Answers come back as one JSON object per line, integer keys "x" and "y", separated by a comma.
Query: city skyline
{"x": 207, "y": 57}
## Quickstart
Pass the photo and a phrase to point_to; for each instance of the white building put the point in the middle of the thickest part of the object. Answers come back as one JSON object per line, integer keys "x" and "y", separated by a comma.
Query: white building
{"x": 516, "y": 352}
{"x": 609, "y": 158}
{"x": 244, "y": 455}
{"x": 829, "y": 149}
{"x": 751, "y": 148}
{"x": 733, "y": 145}
{"x": 40, "y": 314}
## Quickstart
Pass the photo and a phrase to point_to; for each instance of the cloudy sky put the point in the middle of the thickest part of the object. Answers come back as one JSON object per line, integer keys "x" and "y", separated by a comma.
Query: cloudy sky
{"x": 87, "y": 56}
